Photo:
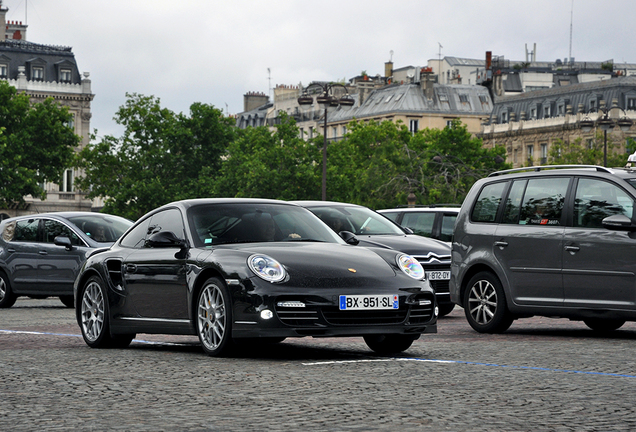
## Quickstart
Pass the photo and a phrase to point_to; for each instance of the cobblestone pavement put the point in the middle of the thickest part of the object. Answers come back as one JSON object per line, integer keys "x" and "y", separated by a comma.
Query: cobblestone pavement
{"x": 542, "y": 375}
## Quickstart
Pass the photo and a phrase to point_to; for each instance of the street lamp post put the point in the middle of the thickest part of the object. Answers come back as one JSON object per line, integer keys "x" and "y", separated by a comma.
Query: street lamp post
{"x": 605, "y": 123}
{"x": 326, "y": 100}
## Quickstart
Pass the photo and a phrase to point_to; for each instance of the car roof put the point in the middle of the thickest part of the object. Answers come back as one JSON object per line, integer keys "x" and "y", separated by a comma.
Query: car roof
{"x": 551, "y": 170}
{"x": 422, "y": 209}
{"x": 309, "y": 203}
{"x": 59, "y": 215}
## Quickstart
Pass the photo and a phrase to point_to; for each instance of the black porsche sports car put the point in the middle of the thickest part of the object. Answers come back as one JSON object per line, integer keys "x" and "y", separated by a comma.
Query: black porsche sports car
{"x": 231, "y": 269}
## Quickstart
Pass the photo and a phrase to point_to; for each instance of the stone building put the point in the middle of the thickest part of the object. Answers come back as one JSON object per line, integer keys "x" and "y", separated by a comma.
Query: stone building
{"x": 43, "y": 71}
{"x": 527, "y": 124}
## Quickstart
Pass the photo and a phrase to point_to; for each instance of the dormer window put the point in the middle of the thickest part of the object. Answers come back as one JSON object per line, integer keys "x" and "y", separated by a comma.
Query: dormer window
{"x": 504, "y": 117}
{"x": 37, "y": 73}
{"x": 65, "y": 75}
{"x": 4, "y": 71}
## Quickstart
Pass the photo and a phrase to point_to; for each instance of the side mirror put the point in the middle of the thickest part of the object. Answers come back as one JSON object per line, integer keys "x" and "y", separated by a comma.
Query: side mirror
{"x": 407, "y": 230}
{"x": 166, "y": 239}
{"x": 349, "y": 237}
{"x": 618, "y": 223}
{"x": 63, "y": 241}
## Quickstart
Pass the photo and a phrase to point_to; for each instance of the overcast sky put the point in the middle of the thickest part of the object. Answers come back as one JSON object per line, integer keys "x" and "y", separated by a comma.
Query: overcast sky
{"x": 210, "y": 51}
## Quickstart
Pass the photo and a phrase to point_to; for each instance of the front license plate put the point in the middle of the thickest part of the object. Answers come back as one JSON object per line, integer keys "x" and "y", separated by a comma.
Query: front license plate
{"x": 369, "y": 302}
{"x": 438, "y": 275}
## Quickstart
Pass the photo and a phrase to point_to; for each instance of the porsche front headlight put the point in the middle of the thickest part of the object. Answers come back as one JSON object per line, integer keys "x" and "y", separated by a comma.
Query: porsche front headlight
{"x": 410, "y": 266}
{"x": 266, "y": 268}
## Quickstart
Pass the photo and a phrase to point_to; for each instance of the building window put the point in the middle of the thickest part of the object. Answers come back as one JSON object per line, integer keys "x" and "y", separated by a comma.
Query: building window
{"x": 3, "y": 71}
{"x": 593, "y": 104}
{"x": 463, "y": 98}
{"x": 449, "y": 124}
{"x": 344, "y": 130}
{"x": 544, "y": 154}
{"x": 631, "y": 103}
{"x": 533, "y": 113}
{"x": 504, "y": 117}
{"x": 546, "y": 111}
{"x": 311, "y": 132}
{"x": 37, "y": 73}
{"x": 302, "y": 133}
{"x": 414, "y": 126}
{"x": 67, "y": 186}
{"x": 531, "y": 155}
{"x": 334, "y": 132}
{"x": 561, "y": 110}
{"x": 65, "y": 75}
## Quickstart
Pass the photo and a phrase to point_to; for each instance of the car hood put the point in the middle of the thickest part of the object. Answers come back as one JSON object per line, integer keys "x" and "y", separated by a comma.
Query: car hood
{"x": 319, "y": 264}
{"x": 410, "y": 244}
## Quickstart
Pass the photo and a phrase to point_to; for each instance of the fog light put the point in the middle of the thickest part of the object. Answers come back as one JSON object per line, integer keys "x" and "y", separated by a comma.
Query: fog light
{"x": 268, "y": 314}
{"x": 436, "y": 311}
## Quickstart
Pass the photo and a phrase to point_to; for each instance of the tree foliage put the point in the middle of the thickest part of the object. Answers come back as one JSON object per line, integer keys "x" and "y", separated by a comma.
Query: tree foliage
{"x": 265, "y": 164}
{"x": 380, "y": 164}
{"x": 36, "y": 145}
{"x": 161, "y": 157}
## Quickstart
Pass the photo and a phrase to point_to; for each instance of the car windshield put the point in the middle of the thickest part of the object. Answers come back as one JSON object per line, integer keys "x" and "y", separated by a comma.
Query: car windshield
{"x": 358, "y": 220}
{"x": 101, "y": 228}
{"x": 214, "y": 224}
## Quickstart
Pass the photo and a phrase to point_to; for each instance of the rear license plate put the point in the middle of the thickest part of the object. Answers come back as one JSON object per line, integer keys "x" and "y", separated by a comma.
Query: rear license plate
{"x": 438, "y": 275}
{"x": 369, "y": 302}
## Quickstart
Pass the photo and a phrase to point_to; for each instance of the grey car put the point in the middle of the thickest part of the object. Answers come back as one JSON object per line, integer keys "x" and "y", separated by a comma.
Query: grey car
{"x": 434, "y": 221}
{"x": 40, "y": 255}
{"x": 555, "y": 241}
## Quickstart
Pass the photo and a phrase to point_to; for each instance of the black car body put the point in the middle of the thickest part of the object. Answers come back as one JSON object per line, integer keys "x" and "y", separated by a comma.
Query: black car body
{"x": 41, "y": 254}
{"x": 232, "y": 269}
{"x": 372, "y": 229}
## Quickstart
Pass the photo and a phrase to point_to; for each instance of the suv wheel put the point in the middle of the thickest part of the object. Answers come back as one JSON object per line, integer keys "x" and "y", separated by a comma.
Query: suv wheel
{"x": 485, "y": 304}
{"x": 603, "y": 325}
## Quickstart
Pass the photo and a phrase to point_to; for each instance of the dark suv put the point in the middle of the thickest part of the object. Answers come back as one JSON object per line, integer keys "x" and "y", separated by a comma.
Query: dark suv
{"x": 556, "y": 241}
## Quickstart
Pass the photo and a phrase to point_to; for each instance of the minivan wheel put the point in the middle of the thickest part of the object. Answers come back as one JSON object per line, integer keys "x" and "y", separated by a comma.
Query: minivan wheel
{"x": 603, "y": 325}
{"x": 485, "y": 304}
{"x": 7, "y": 298}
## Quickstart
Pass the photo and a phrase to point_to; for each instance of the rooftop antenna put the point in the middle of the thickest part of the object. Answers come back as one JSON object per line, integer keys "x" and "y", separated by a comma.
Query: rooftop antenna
{"x": 571, "y": 19}
{"x": 391, "y": 56}
{"x": 439, "y": 61}
{"x": 269, "y": 78}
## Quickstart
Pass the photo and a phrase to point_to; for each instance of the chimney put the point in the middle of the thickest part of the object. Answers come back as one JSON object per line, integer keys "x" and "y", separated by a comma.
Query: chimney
{"x": 3, "y": 15}
{"x": 388, "y": 69}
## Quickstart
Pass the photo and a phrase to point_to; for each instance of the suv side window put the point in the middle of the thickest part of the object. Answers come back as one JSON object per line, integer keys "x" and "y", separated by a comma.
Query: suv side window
{"x": 543, "y": 201}
{"x": 420, "y": 223}
{"x": 513, "y": 202}
{"x": 487, "y": 203}
{"x": 53, "y": 228}
{"x": 26, "y": 230}
{"x": 597, "y": 199}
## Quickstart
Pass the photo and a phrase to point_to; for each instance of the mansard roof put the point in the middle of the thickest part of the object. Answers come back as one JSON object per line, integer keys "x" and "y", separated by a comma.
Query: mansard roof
{"x": 17, "y": 53}
{"x": 411, "y": 99}
{"x": 582, "y": 97}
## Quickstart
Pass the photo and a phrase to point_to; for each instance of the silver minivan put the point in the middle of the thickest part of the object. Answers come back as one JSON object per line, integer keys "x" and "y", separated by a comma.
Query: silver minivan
{"x": 555, "y": 241}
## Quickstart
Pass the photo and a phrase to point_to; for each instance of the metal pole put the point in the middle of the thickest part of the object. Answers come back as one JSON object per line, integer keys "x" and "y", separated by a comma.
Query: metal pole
{"x": 605, "y": 148}
{"x": 324, "y": 160}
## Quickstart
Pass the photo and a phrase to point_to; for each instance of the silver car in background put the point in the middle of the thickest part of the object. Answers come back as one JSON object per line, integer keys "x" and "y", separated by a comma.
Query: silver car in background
{"x": 40, "y": 255}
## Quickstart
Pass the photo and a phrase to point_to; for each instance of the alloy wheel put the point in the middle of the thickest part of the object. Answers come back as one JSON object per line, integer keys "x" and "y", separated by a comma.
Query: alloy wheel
{"x": 482, "y": 302}
{"x": 212, "y": 318}
{"x": 92, "y": 311}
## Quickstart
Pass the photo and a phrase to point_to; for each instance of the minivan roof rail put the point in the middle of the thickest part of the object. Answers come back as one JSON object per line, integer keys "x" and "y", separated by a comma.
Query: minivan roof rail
{"x": 548, "y": 167}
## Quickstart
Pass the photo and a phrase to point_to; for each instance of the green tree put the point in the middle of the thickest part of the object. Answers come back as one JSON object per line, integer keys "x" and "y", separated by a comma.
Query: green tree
{"x": 380, "y": 164}
{"x": 265, "y": 164}
{"x": 161, "y": 157}
{"x": 590, "y": 152}
{"x": 36, "y": 145}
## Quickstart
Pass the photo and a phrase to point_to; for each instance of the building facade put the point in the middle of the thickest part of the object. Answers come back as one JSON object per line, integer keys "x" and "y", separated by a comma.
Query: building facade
{"x": 43, "y": 71}
{"x": 529, "y": 123}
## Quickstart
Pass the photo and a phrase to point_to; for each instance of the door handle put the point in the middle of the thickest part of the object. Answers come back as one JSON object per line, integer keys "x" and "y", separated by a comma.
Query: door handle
{"x": 43, "y": 252}
{"x": 572, "y": 249}
{"x": 131, "y": 268}
{"x": 502, "y": 244}
{"x": 11, "y": 250}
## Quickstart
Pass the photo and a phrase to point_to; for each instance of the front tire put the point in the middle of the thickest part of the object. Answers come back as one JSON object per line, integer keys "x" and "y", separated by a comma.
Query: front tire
{"x": 389, "y": 344}
{"x": 95, "y": 319}
{"x": 7, "y": 298}
{"x": 445, "y": 309}
{"x": 603, "y": 325}
{"x": 214, "y": 318}
{"x": 485, "y": 304}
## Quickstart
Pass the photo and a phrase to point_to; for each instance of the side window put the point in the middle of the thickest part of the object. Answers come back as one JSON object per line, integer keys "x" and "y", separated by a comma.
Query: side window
{"x": 420, "y": 223}
{"x": 513, "y": 202}
{"x": 597, "y": 199}
{"x": 26, "y": 230}
{"x": 448, "y": 225}
{"x": 167, "y": 220}
{"x": 53, "y": 228}
{"x": 485, "y": 209}
{"x": 137, "y": 236}
{"x": 543, "y": 201}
